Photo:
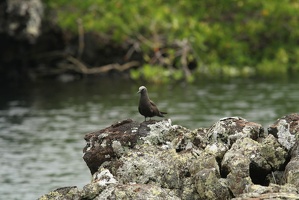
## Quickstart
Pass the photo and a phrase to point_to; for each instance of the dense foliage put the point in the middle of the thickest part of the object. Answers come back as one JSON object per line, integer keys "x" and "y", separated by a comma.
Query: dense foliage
{"x": 210, "y": 37}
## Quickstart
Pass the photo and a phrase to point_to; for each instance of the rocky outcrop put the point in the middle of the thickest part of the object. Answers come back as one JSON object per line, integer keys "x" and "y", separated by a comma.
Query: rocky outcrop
{"x": 233, "y": 159}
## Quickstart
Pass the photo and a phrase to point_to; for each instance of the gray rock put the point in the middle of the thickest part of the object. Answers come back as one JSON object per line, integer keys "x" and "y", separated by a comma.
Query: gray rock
{"x": 295, "y": 150}
{"x": 286, "y": 129}
{"x": 137, "y": 191}
{"x": 268, "y": 196}
{"x": 156, "y": 166}
{"x": 209, "y": 185}
{"x": 110, "y": 143}
{"x": 158, "y": 160}
{"x": 270, "y": 192}
{"x": 228, "y": 130}
{"x": 273, "y": 152}
{"x": 248, "y": 162}
{"x": 66, "y": 193}
{"x": 291, "y": 173}
{"x": 243, "y": 153}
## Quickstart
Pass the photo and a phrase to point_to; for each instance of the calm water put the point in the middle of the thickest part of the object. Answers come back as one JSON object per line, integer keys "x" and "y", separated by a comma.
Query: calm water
{"x": 42, "y": 125}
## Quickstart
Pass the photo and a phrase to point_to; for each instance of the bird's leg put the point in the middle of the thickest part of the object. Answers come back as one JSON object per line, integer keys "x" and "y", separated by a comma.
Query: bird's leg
{"x": 145, "y": 119}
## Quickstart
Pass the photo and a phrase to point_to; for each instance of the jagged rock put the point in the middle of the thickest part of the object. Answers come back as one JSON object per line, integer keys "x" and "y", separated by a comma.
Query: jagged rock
{"x": 181, "y": 138}
{"x": 273, "y": 152}
{"x": 286, "y": 129}
{"x": 158, "y": 160}
{"x": 137, "y": 191}
{"x": 236, "y": 164}
{"x": 158, "y": 132}
{"x": 158, "y": 166}
{"x": 270, "y": 192}
{"x": 149, "y": 164}
{"x": 91, "y": 191}
{"x": 268, "y": 196}
{"x": 217, "y": 150}
{"x": 110, "y": 143}
{"x": 295, "y": 150}
{"x": 248, "y": 162}
{"x": 66, "y": 193}
{"x": 209, "y": 185}
{"x": 291, "y": 173}
{"x": 204, "y": 160}
{"x": 100, "y": 180}
{"x": 205, "y": 170}
{"x": 228, "y": 130}
{"x": 161, "y": 158}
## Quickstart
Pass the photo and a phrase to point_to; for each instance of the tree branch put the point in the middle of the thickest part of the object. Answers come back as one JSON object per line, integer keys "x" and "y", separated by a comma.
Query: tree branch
{"x": 82, "y": 68}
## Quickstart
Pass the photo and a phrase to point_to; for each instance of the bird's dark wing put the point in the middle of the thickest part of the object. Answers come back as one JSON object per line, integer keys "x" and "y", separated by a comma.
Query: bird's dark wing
{"x": 153, "y": 105}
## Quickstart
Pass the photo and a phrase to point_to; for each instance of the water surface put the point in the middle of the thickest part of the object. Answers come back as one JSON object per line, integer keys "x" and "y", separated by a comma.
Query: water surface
{"x": 42, "y": 124}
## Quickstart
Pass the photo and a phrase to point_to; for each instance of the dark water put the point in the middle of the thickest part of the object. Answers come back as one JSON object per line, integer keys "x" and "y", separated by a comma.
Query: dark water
{"x": 42, "y": 125}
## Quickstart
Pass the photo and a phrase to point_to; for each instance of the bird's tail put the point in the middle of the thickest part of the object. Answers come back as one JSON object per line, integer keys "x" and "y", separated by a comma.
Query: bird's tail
{"x": 161, "y": 114}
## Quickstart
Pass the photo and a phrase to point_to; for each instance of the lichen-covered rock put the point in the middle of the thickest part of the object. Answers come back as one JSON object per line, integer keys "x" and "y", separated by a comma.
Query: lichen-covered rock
{"x": 156, "y": 166}
{"x": 272, "y": 191}
{"x": 243, "y": 154}
{"x": 238, "y": 182}
{"x": 204, "y": 160}
{"x": 158, "y": 131}
{"x": 100, "y": 180}
{"x": 228, "y": 130}
{"x": 217, "y": 150}
{"x": 236, "y": 164}
{"x": 286, "y": 129}
{"x": 291, "y": 173}
{"x": 209, "y": 185}
{"x": 268, "y": 196}
{"x": 161, "y": 158}
{"x": 137, "y": 191}
{"x": 174, "y": 136}
{"x": 248, "y": 162}
{"x": 274, "y": 153}
{"x": 158, "y": 160}
{"x": 110, "y": 143}
{"x": 66, "y": 193}
{"x": 295, "y": 150}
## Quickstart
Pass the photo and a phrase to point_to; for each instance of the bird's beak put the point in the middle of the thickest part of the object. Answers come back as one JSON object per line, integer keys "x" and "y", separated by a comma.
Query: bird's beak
{"x": 138, "y": 92}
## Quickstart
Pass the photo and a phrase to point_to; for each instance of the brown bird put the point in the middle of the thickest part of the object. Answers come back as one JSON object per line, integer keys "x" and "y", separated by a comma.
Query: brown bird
{"x": 146, "y": 107}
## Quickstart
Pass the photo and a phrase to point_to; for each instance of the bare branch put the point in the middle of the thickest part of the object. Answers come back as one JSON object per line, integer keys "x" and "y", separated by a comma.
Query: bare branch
{"x": 82, "y": 68}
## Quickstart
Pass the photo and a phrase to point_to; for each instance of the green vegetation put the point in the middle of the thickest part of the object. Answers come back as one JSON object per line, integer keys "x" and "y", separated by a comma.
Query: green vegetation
{"x": 187, "y": 39}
